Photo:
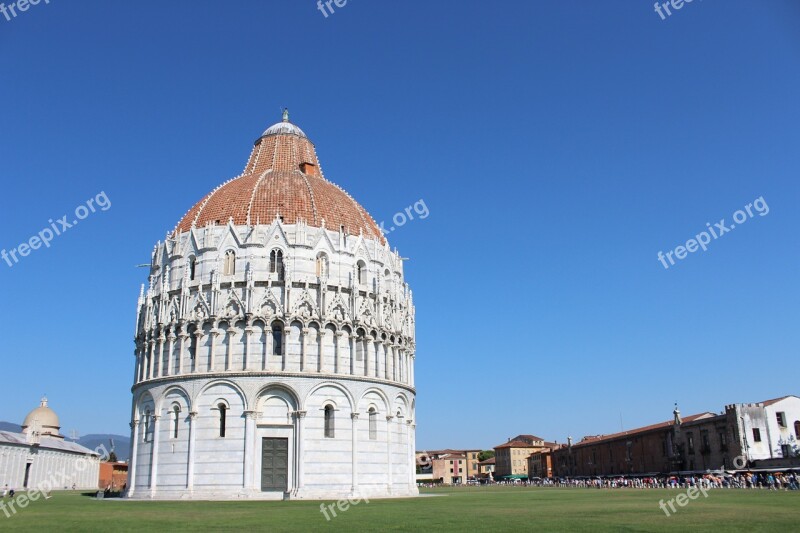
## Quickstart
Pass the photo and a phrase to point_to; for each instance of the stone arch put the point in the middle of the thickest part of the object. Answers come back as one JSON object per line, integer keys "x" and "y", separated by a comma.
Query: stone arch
{"x": 350, "y": 400}
{"x": 400, "y": 404}
{"x": 144, "y": 400}
{"x": 163, "y": 400}
{"x": 382, "y": 395}
{"x": 174, "y": 424}
{"x": 328, "y": 408}
{"x": 275, "y": 403}
{"x": 228, "y": 383}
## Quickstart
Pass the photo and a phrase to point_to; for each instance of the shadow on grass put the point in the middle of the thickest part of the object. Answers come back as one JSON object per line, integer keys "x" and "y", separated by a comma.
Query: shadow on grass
{"x": 99, "y": 494}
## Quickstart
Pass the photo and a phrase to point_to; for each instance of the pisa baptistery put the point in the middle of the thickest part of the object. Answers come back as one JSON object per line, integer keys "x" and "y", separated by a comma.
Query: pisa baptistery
{"x": 274, "y": 343}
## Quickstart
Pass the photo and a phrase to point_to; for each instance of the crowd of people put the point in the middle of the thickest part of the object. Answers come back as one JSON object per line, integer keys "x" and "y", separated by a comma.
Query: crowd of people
{"x": 743, "y": 480}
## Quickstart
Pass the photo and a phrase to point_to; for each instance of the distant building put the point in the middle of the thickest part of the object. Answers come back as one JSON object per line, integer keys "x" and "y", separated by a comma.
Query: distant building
{"x": 770, "y": 430}
{"x": 759, "y": 435}
{"x": 40, "y": 458}
{"x": 511, "y": 458}
{"x": 451, "y": 467}
{"x": 113, "y": 476}
{"x": 540, "y": 464}
{"x": 486, "y": 468}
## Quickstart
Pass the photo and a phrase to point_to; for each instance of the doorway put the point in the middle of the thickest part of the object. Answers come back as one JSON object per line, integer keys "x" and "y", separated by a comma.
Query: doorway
{"x": 274, "y": 464}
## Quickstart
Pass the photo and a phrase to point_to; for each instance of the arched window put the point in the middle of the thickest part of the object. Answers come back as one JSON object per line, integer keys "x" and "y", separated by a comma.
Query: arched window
{"x": 277, "y": 339}
{"x": 146, "y": 425}
{"x": 229, "y": 269}
{"x": 192, "y": 341}
{"x": 329, "y": 422}
{"x": 360, "y": 345}
{"x": 797, "y": 429}
{"x": 322, "y": 265}
{"x": 222, "y": 412}
{"x": 192, "y": 267}
{"x": 276, "y": 263}
{"x": 373, "y": 424}
{"x": 361, "y": 272}
{"x": 176, "y": 413}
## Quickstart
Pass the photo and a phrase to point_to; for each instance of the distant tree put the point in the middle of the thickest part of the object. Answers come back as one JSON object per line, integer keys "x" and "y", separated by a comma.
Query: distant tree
{"x": 485, "y": 454}
{"x": 112, "y": 457}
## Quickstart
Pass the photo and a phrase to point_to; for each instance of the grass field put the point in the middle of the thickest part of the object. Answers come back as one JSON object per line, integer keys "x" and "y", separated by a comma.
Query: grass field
{"x": 467, "y": 509}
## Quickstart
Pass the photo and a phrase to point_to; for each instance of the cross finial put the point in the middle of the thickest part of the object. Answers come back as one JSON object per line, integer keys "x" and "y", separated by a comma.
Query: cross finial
{"x": 286, "y": 114}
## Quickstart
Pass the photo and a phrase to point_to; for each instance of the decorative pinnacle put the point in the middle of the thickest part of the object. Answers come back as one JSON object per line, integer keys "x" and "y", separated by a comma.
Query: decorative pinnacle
{"x": 286, "y": 114}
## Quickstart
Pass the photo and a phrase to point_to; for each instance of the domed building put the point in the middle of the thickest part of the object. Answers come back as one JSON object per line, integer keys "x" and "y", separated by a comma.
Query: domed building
{"x": 44, "y": 421}
{"x": 275, "y": 343}
{"x": 39, "y": 458}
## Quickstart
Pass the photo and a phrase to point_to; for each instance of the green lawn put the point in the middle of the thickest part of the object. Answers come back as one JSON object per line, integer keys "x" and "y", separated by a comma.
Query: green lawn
{"x": 469, "y": 509}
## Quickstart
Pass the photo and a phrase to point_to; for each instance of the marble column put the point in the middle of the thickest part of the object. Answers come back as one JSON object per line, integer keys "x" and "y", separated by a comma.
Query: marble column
{"x": 323, "y": 335}
{"x": 154, "y": 456}
{"x": 284, "y": 348}
{"x": 367, "y": 341}
{"x": 191, "y": 447}
{"x": 249, "y": 441}
{"x": 301, "y": 449}
{"x": 170, "y": 359}
{"x": 386, "y": 349}
{"x": 183, "y": 336}
{"x": 354, "y": 417}
{"x": 393, "y": 354}
{"x": 412, "y": 477}
{"x": 212, "y": 362}
{"x": 137, "y": 364}
{"x": 151, "y": 358}
{"x": 390, "y": 481}
{"x": 134, "y": 464}
{"x": 351, "y": 343}
{"x": 337, "y": 347}
{"x": 198, "y": 338}
{"x": 246, "y": 363}
{"x": 161, "y": 341}
{"x": 303, "y": 350}
{"x": 230, "y": 335}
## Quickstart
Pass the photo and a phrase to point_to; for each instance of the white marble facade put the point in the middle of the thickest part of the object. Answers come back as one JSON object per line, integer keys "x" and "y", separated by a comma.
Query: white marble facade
{"x": 46, "y": 464}
{"x": 272, "y": 324}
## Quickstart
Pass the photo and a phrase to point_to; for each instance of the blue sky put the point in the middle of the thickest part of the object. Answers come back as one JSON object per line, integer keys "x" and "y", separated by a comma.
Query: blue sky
{"x": 559, "y": 146}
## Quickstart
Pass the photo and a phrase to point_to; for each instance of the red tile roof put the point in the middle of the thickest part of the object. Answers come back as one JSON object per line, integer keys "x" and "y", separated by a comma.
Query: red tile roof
{"x": 776, "y": 400}
{"x": 275, "y": 182}
{"x": 517, "y": 444}
{"x": 528, "y": 437}
{"x": 601, "y": 438}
